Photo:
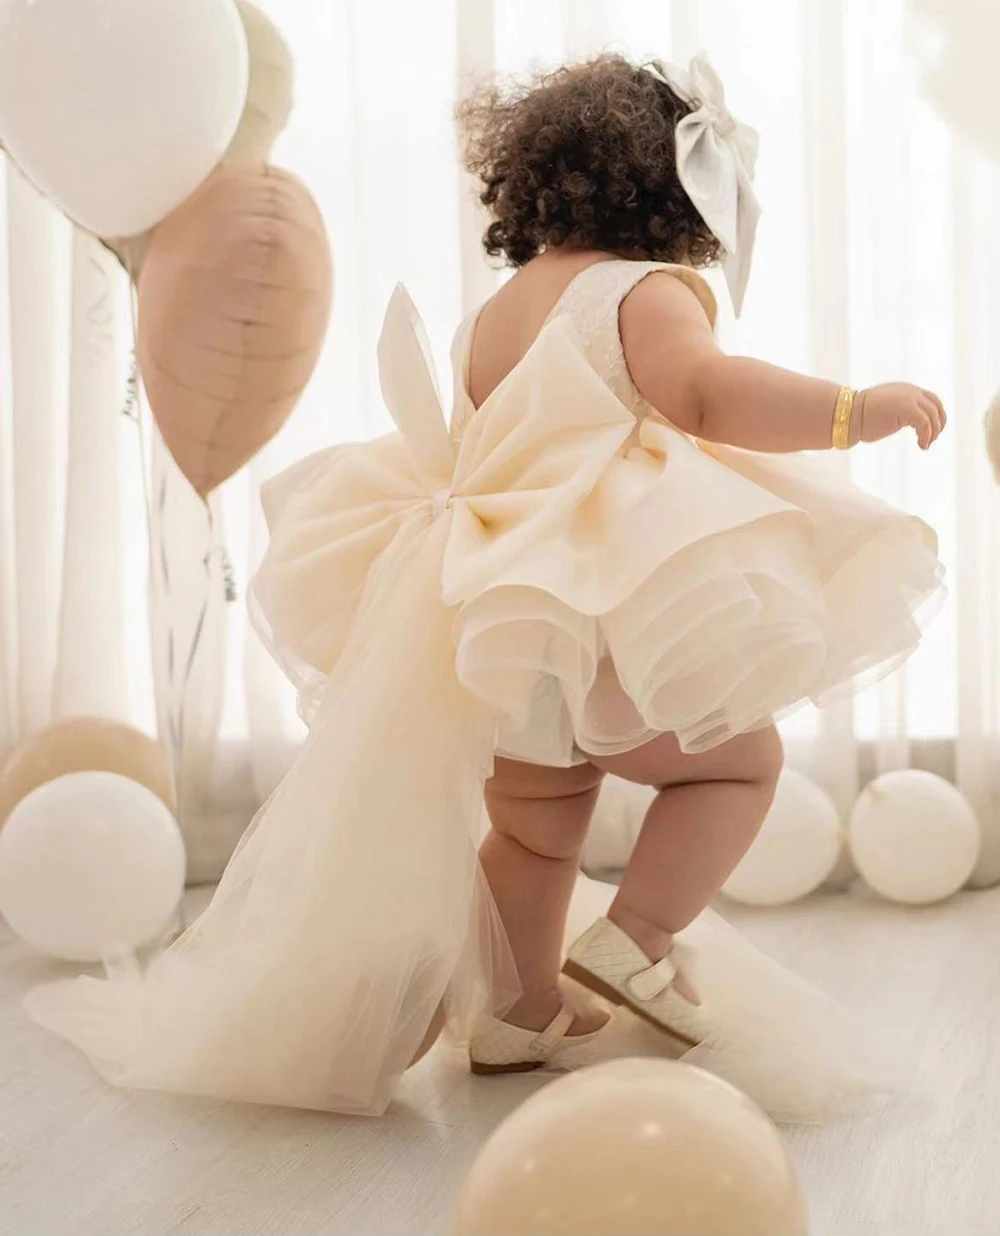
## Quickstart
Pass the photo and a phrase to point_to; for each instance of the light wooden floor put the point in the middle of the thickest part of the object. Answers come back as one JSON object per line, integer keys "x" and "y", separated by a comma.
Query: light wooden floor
{"x": 78, "y": 1159}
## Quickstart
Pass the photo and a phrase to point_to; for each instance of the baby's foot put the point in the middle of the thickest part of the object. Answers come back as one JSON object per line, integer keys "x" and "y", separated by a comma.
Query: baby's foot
{"x": 541, "y": 1031}
{"x": 608, "y": 960}
{"x": 537, "y": 1012}
{"x": 656, "y": 944}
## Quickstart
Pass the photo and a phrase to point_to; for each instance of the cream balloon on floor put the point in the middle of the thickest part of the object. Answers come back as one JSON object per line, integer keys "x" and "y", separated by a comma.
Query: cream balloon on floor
{"x": 630, "y": 1148}
{"x": 796, "y": 849}
{"x": 914, "y": 837}
{"x": 91, "y": 864}
{"x": 618, "y": 816}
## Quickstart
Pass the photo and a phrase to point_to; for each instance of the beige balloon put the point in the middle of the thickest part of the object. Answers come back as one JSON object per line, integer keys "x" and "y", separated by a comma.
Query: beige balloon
{"x": 234, "y": 302}
{"x": 270, "y": 95}
{"x": 634, "y": 1148}
{"x": 84, "y": 744}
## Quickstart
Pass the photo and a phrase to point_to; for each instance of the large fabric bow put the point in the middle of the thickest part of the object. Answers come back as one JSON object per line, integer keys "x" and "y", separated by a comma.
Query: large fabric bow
{"x": 531, "y": 453}
{"x": 716, "y": 160}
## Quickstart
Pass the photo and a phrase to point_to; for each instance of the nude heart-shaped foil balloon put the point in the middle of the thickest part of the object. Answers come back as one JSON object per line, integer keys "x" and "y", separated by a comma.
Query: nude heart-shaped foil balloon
{"x": 234, "y": 302}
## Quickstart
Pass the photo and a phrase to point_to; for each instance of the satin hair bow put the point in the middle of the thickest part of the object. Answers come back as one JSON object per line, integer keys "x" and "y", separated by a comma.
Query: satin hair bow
{"x": 716, "y": 159}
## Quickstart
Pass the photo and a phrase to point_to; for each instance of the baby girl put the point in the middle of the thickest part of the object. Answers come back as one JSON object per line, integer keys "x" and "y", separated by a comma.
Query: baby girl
{"x": 607, "y": 183}
{"x": 610, "y": 562}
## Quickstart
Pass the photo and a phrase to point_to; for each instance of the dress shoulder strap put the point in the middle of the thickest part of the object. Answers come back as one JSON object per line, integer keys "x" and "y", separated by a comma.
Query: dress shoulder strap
{"x": 592, "y": 302}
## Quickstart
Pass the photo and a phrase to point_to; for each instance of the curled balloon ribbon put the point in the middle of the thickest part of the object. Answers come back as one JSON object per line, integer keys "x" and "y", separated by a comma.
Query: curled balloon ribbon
{"x": 157, "y": 494}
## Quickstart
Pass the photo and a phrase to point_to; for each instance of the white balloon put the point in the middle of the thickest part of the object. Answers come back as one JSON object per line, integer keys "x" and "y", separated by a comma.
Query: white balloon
{"x": 90, "y": 863}
{"x": 618, "y": 816}
{"x": 955, "y": 43}
{"x": 796, "y": 850}
{"x": 119, "y": 109}
{"x": 914, "y": 837}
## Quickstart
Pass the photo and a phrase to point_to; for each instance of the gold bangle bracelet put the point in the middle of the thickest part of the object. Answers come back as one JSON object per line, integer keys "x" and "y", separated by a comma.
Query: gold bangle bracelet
{"x": 842, "y": 414}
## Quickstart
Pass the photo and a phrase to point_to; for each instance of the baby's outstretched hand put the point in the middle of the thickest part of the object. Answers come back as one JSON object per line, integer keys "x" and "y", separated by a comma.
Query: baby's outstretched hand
{"x": 897, "y": 405}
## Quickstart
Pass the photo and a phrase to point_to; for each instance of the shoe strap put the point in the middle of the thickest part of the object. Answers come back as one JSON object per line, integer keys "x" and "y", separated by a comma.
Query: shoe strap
{"x": 553, "y": 1032}
{"x": 648, "y": 984}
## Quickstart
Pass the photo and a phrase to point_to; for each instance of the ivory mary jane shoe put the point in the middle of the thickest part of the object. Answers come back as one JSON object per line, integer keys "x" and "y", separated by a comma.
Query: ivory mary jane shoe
{"x": 610, "y": 964}
{"x": 498, "y": 1047}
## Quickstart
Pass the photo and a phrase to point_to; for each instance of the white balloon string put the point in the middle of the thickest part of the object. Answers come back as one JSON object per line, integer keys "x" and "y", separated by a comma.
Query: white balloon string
{"x": 177, "y": 690}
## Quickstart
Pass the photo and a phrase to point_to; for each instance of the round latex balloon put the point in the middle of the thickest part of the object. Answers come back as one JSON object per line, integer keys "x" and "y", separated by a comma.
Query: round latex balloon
{"x": 914, "y": 837}
{"x": 955, "y": 42}
{"x": 89, "y": 864}
{"x": 630, "y": 1148}
{"x": 618, "y": 817}
{"x": 796, "y": 849}
{"x": 118, "y": 109}
{"x": 265, "y": 115}
{"x": 234, "y": 302}
{"x": 84, "y": 744}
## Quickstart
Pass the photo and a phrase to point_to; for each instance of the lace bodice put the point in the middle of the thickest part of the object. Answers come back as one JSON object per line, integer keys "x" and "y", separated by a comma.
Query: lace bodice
{"x": 592, "y": 302}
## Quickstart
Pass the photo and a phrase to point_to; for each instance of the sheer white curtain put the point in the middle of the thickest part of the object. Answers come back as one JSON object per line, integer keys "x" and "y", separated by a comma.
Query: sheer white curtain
{"x": 63, "y": 446}
{"x": 82, "y": 632}
{"x": 878, "y": 258}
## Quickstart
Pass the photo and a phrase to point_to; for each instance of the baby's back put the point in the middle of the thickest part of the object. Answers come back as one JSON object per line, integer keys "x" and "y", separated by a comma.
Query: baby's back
{"x": 510, "y": 321}
{"x": 609, "y": 303}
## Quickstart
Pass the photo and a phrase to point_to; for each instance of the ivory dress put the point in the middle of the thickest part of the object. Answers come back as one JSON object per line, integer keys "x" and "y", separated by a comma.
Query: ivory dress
{"x": 559, "y": 572}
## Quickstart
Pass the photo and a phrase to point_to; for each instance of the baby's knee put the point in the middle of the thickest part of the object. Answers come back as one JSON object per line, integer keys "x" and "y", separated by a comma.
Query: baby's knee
{"x": 548, "y": 828}
{"x": 559, "y": 835}
{"x": 765, "y": 758}
{"x": 755, "y": 759}
{"x": 546, "y": 811}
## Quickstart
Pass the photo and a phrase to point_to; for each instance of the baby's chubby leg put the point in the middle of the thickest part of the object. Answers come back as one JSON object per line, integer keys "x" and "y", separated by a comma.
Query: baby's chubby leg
{"x": 531, "y": 859}
{"x": 708, "y": 811}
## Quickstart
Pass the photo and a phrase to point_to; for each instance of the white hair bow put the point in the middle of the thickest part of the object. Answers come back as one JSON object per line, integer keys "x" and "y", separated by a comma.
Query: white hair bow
{"x": 716, "y": 158}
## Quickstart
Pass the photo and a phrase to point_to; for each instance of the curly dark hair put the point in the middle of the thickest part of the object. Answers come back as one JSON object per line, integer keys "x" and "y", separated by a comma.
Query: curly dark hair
{"x": 584, "y": 156}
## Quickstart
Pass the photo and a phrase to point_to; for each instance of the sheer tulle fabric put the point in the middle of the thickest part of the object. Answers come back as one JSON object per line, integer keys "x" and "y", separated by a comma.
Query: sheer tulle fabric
{"x": 798, "y": 1053}
{"x": 341, "y": 923}
{"x": 701, "y": 594}
{"x": 560, "y": 579}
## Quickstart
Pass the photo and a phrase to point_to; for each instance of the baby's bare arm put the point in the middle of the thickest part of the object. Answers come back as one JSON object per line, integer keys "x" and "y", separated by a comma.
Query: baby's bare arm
{"x": 678, "y": 367}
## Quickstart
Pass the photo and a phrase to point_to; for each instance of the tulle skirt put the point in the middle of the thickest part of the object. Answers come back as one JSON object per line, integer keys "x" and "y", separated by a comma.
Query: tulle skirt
{"x": 561, "y": 581}
{"x": 727, "y": 589}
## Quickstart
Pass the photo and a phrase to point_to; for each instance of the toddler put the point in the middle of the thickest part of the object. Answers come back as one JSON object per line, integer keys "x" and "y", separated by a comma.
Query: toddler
{"x": 611, "y": 560}
{"x": 609, "y": 183}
